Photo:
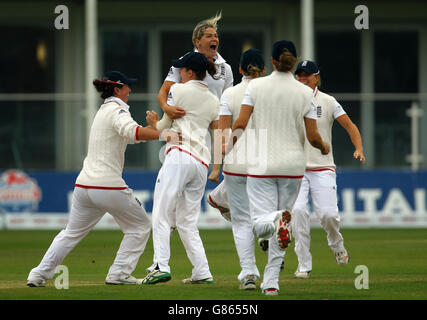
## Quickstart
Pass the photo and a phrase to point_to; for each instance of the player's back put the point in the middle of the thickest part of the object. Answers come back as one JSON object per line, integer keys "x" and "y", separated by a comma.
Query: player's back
{"x": 201, "y": 108}
{"x": 280, "y": 103}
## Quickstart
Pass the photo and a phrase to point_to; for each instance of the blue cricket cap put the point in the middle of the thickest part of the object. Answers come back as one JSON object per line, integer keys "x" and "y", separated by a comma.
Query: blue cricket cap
{"x": 192, "y": 60}
{"x": 309, "y": 67}
{"x": 252, "y": 57}
{"x": 280, "y": 46}
{"x": 117, "y": 77}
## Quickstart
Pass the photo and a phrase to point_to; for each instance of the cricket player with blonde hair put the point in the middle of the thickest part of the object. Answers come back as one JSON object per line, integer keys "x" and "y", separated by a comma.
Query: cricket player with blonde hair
{"x": 206, "y": 41}
{"x": 320, "y": 177}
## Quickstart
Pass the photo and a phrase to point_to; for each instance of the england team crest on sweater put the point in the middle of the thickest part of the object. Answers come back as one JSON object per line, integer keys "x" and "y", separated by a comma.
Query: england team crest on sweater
{"x": 319, "y": 111}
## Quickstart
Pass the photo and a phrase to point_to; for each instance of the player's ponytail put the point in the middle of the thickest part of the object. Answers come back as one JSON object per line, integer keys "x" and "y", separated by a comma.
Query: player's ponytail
{"x": 210, "y": 68}
{"x": 286, "y": 63}
{"x": 105, "y": 88}
{"x": 254, "y": 71}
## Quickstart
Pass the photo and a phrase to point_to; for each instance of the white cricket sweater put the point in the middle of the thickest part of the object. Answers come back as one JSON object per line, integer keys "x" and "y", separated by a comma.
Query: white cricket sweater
{"x": 327, "y": 110}
{"x": 201, "y": 108}
{"x": 112, "y": 130}
{"x": 280, "y": 104}
{"x": 235, "y": 162}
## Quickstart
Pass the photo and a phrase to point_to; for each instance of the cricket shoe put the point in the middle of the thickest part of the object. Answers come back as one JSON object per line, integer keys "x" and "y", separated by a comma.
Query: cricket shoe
{"x": 302, "y": 274}
{"x": 122, "y": 280}
{"x": 36, "y": 283}
{"x": 283, "y": 229}
{"x": 156, "y": 276}
{"x": 225, "y": 212}
{"x": 248, "y": 283}
{"x": 263, "y": 243}
{"x": 201, "y": 281}
{"x": 270, "y": 292}
{"x": 342, "y": 257}
{"x": 35, "y": 279}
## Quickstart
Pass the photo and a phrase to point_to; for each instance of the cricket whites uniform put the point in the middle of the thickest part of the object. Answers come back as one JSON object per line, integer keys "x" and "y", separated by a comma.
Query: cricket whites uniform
{"x": 235, "y": 175}
{"x": 320, "y": 182}
{"x": 223, "y": 77}
{"x": 182, "y": 179}
{"x": 280, "y": 105}
{"x": 223, "y": 80}
{"x": 100, "y": 188}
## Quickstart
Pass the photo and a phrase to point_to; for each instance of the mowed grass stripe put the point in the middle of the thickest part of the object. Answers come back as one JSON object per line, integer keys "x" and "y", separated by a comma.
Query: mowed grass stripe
{"x": 396, "y": 260}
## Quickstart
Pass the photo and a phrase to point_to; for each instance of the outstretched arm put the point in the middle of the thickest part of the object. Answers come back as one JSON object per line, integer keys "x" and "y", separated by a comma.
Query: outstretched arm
{"x": 147, "y": 133}
{"x": 355, "y": 136}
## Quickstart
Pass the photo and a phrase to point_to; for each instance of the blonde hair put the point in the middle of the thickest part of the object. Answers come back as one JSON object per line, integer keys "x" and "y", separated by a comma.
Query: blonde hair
{"x": 200, "y": 28}
{"x": 286, "y": 63}
{"x": 254, "y": 71}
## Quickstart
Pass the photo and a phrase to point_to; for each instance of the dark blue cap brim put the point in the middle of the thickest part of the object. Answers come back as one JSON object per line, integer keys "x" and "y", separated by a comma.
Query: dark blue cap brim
{"x": 306, "y": 70}
{"x": 178, "y": 63}
{"x": 131, "y": 80}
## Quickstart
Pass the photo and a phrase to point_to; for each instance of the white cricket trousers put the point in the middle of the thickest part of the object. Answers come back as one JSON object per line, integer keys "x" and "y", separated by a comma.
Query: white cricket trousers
{"x": 322, "y": 187}
{"x": 268, "y": 197}
{"x": 88, "y": 207}
{"x": 178, "y": 193}
{"x": 219, "y": 195}
{"x": 241, "y": 224}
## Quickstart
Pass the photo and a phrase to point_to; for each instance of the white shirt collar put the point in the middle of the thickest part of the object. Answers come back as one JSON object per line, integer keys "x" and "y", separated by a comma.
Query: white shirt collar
{"x": 315, "y": 91}
{"x": 199, "y": 82}
{"x": 283, "y": 74}
{"x": 118, "y": 100}
{"x": 218, "y": 59}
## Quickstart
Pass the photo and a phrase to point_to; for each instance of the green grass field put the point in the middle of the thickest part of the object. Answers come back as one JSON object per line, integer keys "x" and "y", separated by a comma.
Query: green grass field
{"x": 396, "y": 260}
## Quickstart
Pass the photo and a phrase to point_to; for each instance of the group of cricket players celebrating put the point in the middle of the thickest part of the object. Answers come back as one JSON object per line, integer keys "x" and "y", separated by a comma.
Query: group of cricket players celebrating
{"x": 271, "y": 143}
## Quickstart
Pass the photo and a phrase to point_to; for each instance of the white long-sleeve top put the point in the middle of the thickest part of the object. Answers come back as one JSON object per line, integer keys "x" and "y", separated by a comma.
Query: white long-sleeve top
{"x": 201, "y": 108}
{"x": 327, "y": 110}
{"x": 231, "y": 101}
{"x": 112, "y": 130}
{"x": 280, "y": 105}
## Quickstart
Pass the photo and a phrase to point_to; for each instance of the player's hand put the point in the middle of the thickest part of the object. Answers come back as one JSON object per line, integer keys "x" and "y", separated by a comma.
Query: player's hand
{"x": 170, "y": 136}
{"x": 326, "y": 148}
{"x": 174, "y": 112}
{"x": 214, "y": 176}
{"x": 152, "y": 118}
{"x": 358, "y": 154}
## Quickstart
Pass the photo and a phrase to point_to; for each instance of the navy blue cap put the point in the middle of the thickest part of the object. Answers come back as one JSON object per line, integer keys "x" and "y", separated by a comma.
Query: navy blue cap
{"x": 117, "y": 77}
{"x": 280, "y": 46}
{"x": 252, "y": 57}
{"x": 309, "y": 67}
{"x": 192, "y": 60}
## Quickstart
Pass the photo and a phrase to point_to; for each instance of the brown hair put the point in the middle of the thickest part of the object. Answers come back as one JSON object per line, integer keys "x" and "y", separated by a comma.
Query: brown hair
{"x": 211, "y": 69}
{"x": 200, "y": 28}
{"x": 286, "y": 63}
{"x": 106, "y": 89}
